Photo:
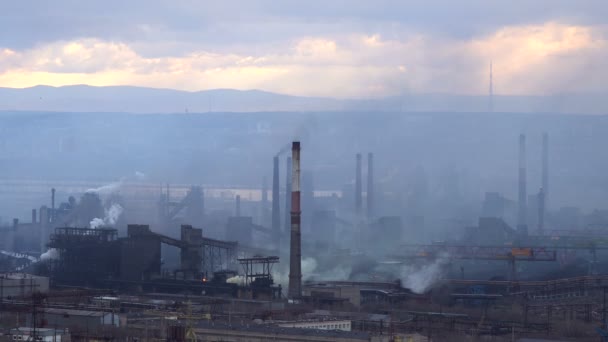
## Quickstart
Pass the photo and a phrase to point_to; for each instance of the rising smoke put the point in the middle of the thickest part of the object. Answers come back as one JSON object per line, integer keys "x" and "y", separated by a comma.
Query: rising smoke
{"x": 106, "y": 189}
{"x": 420, "y": 278}
{"x": 51, "y": 254}
{"x": 111, "y": 217}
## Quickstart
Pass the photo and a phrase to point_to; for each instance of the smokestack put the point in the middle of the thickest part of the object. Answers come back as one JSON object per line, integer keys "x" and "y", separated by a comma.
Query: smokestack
{"x": 541, "y": 211}
{"x": 34, "y": 216}
{"x": 545, "y": 167}
{"x": 287, "y": 195}
{"x": 264, "y": 212}
{"x": 370, "y": 185}
{"x": 238, "y": 206}
{"x": 358, "y": 187}
{"x": 276, "y": 209}
{"x": 521, "y": 213}
{"x": 295, "y": 253}
{"x": 53, "y": 205}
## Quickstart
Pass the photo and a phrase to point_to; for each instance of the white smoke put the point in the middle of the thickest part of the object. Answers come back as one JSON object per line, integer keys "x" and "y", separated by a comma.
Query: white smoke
{"x": 140, "y": 176}
{"x": 113, "y": 213}
{"x": 51, "y": 254}
{"x": 310, "y": 272}
{"x": 111, "y": 217}
{"x": 421, "y": 278}
{"x": 106, "y": 189}
{"x": 237, "y": 279}
{"x": 309, "y": 265}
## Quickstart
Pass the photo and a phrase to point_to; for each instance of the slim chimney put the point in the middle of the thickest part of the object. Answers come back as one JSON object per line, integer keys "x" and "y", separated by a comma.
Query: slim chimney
{"x": 264, "y": 211}
{"x": 370, "y": 185}
{"x": 276, "y": 208}
{"x": 238, "y": 206}
{"x": 53, "y": 205}
{"x": 541, "y": 211}
{"x": 287, "y": 195}
{"x": 295, "y": 253}
{"x": 522, "y": 200}
{"x": 358, "y": 186}
{"x": 545, "y": 168}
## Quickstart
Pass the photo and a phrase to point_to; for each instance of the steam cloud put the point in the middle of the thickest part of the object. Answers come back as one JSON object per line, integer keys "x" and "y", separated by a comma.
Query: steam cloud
{"x": 111, "y": 217}
{"x": 106, "y": 189}
{"x": 51, "y": 254}
{"x": 421, "y": 278}
{"x": 140, "y": 176}
{"x": 237, "y": 279}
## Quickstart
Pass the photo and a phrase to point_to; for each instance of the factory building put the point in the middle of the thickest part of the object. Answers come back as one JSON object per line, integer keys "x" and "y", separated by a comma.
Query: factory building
{"x": 215, "y": 331}
{"x": 39, "y": 334}
{"x": 22, "y": 285}
{"x": 77, "y": 319}
{"x": 343, "y": 325}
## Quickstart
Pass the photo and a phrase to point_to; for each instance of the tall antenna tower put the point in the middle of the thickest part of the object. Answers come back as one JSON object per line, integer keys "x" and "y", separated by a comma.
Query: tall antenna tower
{"x": 491, "y": 92}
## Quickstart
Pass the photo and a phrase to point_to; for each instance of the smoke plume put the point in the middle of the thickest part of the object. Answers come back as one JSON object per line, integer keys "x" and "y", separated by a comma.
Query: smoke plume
{"x": 421, "y": 278}
{"x": 106, "y": 189}
{"x": 111, "y": 217}
{"x": 51, "y": 254}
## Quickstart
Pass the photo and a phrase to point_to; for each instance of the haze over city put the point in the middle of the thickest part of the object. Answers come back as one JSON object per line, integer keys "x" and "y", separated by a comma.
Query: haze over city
{"x": 304, "y": 171}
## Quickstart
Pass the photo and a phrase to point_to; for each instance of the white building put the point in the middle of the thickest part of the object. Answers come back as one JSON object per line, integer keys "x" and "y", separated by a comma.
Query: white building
{"x": 343, "y": 325}
{"x": 21, "y": 284}
{"x": 41, "y": 334}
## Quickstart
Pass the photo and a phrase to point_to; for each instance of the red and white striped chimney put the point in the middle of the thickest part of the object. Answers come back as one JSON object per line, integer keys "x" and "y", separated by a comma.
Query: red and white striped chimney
{"x": 295, "y": 252}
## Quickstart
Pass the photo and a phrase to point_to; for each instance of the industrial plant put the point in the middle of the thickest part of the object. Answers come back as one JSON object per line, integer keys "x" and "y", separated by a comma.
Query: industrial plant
{"x": 135, "y": 261}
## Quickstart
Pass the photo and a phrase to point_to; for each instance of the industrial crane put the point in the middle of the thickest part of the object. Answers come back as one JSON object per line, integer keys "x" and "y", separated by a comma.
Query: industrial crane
{"x": 506, "y": 253}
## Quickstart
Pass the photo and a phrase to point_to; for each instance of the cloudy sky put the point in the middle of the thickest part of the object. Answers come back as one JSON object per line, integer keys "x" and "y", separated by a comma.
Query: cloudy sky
{"x": 335, "y": 48}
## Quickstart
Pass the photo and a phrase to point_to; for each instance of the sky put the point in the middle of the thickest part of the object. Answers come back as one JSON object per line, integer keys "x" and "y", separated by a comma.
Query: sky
{"x": 337, "y": 48}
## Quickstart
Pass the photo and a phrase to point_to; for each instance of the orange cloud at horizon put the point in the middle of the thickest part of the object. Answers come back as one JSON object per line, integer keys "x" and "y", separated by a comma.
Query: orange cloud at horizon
{"x": 535, "y": 59}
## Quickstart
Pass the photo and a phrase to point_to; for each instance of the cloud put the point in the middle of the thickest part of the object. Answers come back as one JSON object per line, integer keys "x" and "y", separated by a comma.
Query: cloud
{"x": 531, "y": 59}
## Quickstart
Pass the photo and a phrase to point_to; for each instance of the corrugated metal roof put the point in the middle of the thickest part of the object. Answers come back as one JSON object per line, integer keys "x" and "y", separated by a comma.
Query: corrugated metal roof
{"x": 72, "y": 312}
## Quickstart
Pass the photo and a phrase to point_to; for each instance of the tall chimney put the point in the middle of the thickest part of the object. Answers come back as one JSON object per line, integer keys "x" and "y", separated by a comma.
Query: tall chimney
{"x": 264, "y": 211}
{"x": 276, "y": 209}
{"x": 370, "y": 185}
{"x": 287, "y": 195}
{"x": 53, "y": 205}
{"x": 358, "y": 186}
{"x": 545, "y": 168}
{"x": 541, "y": 211}
{"x": 238, "y": 206}
{"x": 295, "y": 253}
{"x": 523, "y": 196}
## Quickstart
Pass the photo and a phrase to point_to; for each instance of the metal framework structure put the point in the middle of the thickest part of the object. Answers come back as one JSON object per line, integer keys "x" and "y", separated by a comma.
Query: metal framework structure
{"x": 507, "y": 253}
{"x": 217, "y": 254}
{"x": 258, "y": 267}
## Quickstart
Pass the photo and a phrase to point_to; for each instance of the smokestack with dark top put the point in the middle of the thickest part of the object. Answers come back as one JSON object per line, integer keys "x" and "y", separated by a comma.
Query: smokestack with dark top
{"x": 541, "y": 211}
{"x": 53, "y": 205}
{"x": 276, "y": 208}
{"x": 522, "y": 199}
{"x": 545, "y": 168}
{"x": 287, "y": 195}
{"x": 295, "y": 253}
{"x": 238, "y": 206}
{"x": 358, "y": 186}
{"x": 370, "y": 185}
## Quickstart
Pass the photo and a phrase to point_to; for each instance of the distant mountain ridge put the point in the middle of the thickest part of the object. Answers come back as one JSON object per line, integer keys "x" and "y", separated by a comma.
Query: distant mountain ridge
{"x": 84, "y": 98}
